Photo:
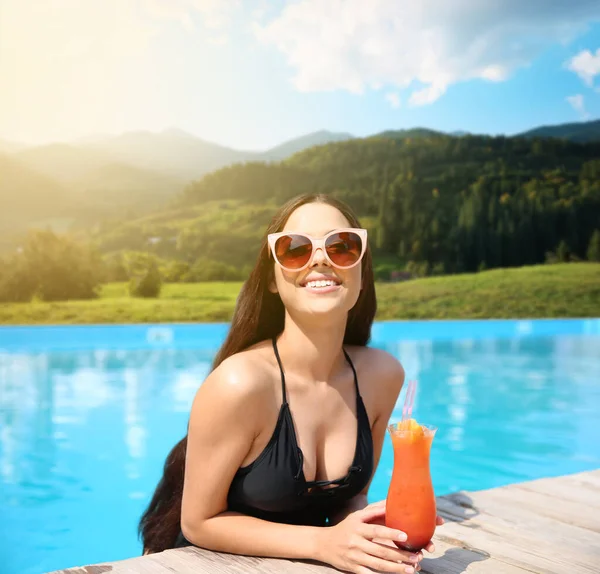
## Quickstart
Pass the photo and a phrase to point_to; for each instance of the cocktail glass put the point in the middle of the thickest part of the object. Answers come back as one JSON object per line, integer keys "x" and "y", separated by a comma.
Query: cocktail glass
{"x": 410, "y": 505}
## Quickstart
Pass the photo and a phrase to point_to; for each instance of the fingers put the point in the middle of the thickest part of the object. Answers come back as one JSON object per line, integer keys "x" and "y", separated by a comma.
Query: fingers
{"x": 391, "y": 553}
{"x": 371, "y": 512}
{"x": 430, "y": 547}
{"x": 378, "y": 531}
{"x": 439, "y": 520}
{"x": 364, "y": 570}
{"x": 381, "y": 565}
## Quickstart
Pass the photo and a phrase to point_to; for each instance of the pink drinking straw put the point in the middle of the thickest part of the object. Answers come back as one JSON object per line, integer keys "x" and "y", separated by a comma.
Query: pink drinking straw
{"x": 409, "y": 400}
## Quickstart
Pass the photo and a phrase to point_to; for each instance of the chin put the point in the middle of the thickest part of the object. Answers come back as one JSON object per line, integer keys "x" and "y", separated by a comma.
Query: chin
{"x": 323, "y": 306}
{"x": 334, "y": 304}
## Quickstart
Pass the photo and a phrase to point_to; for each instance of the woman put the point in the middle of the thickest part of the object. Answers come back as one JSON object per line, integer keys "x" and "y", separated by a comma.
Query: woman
{"x": 287, "y": 430}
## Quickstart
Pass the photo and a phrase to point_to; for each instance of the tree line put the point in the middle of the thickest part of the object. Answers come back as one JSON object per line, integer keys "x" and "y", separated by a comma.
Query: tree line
{"x": 455, "y": 204}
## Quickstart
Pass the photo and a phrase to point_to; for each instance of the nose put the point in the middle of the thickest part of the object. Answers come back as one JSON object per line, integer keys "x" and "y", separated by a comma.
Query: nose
{"x": 319, "y": 258}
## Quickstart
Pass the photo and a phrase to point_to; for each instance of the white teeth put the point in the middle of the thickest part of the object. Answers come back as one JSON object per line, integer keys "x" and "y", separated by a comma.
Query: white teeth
{"x": 317, "y": 284}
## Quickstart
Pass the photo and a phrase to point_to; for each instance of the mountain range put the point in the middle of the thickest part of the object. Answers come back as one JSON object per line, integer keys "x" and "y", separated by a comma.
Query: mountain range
{"x": 137, "y": 172}
{"x": 582, "y": 132}
{"x": 176, "y": 157}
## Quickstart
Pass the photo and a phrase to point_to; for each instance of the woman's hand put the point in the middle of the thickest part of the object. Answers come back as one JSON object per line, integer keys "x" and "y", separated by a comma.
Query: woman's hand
{"x": 380, "y": 519}
{"x": 350, "y": 545}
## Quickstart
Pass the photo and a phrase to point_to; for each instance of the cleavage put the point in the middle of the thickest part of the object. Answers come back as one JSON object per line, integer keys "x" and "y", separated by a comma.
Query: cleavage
{"x": 337, "y": 445}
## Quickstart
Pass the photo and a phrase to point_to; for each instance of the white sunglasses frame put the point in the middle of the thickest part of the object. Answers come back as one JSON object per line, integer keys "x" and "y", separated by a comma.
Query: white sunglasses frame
{"x": 318, "y": 243}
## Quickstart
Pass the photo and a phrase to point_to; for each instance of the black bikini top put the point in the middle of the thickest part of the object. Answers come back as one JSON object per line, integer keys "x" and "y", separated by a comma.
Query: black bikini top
{"x": 273, "y": 486}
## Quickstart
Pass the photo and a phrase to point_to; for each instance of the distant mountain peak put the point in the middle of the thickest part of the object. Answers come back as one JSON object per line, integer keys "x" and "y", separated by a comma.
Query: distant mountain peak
{"x": 416, "y": 132}
{"x": 581, "y": 132}
{"x": 177, "y": 133}
{"x": 8, "y": 146}
{"x": 290, "y": 147}
{"x": 328, "y": 133}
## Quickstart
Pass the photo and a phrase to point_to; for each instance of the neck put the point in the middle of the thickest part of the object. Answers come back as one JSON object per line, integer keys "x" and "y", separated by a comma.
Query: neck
{"x": 312, "y": 351}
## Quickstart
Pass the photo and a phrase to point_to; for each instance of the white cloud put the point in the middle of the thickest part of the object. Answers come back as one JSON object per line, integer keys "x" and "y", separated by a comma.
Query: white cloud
{"x": 578, "y": 104}
{"x": 586, "y": 65}
{"x": 215, "y": 14}
{"x": 219, "y": 40}
{"x": 261, "y": 11}
{"x": 429, "y": 94}
{"x": 393, "y": 98}
{"x": 355, "y": 45}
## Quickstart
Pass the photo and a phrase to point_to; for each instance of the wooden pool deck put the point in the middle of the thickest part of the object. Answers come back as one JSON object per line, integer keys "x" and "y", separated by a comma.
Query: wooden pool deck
{"x": 543, "y": 526}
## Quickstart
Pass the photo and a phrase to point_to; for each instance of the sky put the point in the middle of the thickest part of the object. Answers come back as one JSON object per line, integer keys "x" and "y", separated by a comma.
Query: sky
{"x": 251, "y": 74}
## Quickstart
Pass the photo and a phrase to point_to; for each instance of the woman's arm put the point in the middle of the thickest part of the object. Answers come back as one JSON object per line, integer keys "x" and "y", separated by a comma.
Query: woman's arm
{"x": 356, "y": 503}
{"x": 240, "y": 534}
{"x": 224, "y": 421}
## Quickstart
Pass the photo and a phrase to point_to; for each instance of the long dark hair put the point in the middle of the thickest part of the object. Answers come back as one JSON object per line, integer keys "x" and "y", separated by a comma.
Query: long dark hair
{"x": 258, "y": 316}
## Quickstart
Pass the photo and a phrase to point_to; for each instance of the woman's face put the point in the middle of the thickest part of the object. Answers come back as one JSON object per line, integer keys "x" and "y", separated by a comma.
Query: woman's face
{"x": 296, "y": 288}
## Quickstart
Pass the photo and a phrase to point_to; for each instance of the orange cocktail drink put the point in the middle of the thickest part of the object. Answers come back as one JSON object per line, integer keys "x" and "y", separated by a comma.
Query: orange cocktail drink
{"x": 410, "y": 505}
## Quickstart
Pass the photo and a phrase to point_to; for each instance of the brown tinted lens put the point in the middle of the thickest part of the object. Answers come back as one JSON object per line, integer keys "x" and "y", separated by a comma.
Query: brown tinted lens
{"x": 293, "y": 251}
{"x": 344, "y": 248}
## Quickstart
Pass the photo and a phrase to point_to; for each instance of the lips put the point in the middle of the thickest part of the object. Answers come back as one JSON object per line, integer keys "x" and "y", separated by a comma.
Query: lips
{"x": 317, "y": 277}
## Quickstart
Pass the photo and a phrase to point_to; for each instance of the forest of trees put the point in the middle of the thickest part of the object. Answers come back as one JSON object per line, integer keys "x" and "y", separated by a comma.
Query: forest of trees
{"x": 453, "y": 204}
{"x": 433, "y": 204}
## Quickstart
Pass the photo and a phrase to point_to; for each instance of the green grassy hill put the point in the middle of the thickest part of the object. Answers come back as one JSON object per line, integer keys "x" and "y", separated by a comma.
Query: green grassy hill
{"x": 562, "y": 290}
{"x": 100, "y": 177}
{"x": 65, "y": 163}
{"x": 227, "y": 231}
{"x": 27, "y": 195}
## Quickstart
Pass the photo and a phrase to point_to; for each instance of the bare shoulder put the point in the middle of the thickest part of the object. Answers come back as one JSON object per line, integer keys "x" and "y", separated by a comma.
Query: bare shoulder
{"x": 378, "y": 364}
{"x": 241, "y": 381}
{"x": 380, "y": 374}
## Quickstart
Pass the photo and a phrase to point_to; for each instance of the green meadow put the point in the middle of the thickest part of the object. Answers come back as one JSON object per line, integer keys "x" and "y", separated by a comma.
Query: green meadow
{"x": 558, "y": 290}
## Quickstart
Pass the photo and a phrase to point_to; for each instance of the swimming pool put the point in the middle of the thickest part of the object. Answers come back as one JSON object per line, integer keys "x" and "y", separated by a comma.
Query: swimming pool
{"x": 87, "y": 415}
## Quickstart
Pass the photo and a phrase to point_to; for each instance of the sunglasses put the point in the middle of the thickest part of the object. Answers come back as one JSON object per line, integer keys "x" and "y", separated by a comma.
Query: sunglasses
{"x": 343, "y": 248}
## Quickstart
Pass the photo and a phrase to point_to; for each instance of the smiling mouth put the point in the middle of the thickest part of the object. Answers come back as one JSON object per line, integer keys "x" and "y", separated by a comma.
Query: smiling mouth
{"x": 321, "y": 283}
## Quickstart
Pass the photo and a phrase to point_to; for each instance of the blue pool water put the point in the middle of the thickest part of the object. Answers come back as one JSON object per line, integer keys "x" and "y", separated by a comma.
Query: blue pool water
{"x": 87, "y": 415}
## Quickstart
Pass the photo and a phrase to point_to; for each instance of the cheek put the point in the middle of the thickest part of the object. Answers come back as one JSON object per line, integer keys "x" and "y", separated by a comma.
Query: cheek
{"x": 354, "y": 286}
{"x": 283, "y": 282}
{"x": 353, "y": 278}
